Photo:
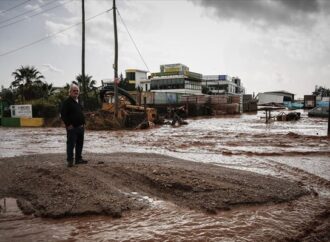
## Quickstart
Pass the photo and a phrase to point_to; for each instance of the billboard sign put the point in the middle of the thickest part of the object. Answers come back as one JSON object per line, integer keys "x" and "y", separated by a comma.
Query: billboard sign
{"x": 21, "y": 111}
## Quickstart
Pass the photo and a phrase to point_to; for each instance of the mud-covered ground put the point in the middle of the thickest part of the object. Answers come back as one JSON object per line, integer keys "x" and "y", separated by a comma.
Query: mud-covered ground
{"x": 163, "y": 198}
{"x": 45, "y": 187}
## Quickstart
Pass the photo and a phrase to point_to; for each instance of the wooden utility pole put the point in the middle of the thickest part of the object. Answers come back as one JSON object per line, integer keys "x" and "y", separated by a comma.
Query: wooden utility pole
{"x": 83, "y": 54}
{"x": 115, "y": 65}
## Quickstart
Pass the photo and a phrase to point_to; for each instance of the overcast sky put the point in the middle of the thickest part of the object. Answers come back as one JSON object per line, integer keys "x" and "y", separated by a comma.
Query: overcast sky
{"x": 270, "y": 44}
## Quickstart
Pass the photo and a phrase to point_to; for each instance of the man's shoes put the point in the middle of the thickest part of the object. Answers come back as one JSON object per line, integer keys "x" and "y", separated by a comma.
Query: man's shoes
{"x": 70, "y": 164}
{"x": 81, "y": 161}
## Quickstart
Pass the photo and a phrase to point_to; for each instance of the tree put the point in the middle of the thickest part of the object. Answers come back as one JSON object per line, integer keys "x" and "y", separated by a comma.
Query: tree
{"x": 25, "y": 77}
{"x": 91, "y": 94}
{"x": 321, "y": 91}
{"x": 124, "y": 84}
{"x": 7, "y": 95}
{"x": 90, "y": 84}
{"x": 47, "y": 90}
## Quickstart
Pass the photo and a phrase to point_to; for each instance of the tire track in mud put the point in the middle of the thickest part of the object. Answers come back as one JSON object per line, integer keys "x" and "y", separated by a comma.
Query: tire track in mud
{"x": 166, "y": 182}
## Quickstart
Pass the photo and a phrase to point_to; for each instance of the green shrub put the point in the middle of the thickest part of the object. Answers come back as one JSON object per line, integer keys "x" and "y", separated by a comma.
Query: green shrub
{"x": 44, "y": 109}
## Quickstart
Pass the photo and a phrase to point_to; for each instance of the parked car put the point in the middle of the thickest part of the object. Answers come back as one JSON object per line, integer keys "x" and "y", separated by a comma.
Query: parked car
{"x": 319, "y": 112}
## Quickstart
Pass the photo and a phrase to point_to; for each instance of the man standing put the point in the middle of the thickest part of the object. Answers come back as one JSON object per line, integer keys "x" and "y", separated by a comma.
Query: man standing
{"x": 74, "y": 120}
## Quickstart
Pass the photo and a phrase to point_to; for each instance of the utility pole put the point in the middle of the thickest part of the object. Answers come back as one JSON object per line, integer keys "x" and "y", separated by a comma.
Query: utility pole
{"x": 115, "y": 65}
{"x": 83, "y": 54}
{"x": 329, "y": 120}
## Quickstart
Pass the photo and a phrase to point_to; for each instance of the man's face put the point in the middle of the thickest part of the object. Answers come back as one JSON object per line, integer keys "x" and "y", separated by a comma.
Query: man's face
{"x": 74, "y": 92}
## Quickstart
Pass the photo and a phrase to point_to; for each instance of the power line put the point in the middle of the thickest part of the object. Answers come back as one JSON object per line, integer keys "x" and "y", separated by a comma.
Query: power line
{"x": 29, "y": 11}
{"x": 31, "y": 16}
{"x": 133, "y": 41}
{"x": 52, "y": 35}
{"x": 16, "y": 6}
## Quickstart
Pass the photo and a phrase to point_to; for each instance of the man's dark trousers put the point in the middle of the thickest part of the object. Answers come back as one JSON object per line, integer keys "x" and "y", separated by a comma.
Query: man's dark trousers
{"x": 75, "y": 139}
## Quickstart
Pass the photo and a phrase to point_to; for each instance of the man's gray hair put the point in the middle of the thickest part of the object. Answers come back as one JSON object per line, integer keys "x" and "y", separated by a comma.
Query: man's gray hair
{"x": 73, "y": 85}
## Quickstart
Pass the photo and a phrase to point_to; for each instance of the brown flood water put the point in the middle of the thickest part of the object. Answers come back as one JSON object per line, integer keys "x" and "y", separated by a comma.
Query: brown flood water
{"x": 290, "y": 150}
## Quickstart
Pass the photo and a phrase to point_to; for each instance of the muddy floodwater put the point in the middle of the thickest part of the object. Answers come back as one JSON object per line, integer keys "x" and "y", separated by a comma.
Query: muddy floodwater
{"x": 296, "y": 151}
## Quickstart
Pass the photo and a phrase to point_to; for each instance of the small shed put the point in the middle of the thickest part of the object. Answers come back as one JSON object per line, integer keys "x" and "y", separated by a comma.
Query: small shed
{"x": 287, "y": 96}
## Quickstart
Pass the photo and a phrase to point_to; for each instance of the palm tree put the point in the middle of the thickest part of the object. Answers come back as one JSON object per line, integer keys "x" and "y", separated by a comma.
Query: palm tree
{"x": 90, "y": 88}
{"x": 47, "y": 89}
{"x": 25, "y": 76}
{"x": 90, "y": 84}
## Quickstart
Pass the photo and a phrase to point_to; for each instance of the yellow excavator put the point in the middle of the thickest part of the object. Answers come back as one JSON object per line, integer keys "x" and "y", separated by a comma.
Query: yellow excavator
{"x": 128, "y": 109}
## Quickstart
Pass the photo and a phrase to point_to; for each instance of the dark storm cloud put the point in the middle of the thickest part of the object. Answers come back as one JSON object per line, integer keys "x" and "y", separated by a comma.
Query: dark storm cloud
{"x": 302, "y": 5}
{"x": 265, "y": 12}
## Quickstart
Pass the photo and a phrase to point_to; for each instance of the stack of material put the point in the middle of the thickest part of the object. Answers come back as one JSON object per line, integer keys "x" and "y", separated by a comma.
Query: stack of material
{"x": 249, "y": 104}
{"x": 218, "y": 99}
{"x": 219, "y": 111}
{"x": 221, "y": 107}
{"x": 184, "y": 99}
{"x": 196, "y": 99}
{"x": 219, "y": 104}
{"x": 232, "y": 108}
{"x": 188, "y": 99}
{"x": 201, "y": 99}
{"x": 235, "y": 99}
{"x": 247, "y": 98}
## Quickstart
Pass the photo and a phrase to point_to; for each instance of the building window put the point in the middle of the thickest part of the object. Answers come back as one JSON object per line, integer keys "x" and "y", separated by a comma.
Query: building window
{"x": 130, "y": 75}
{"x": 167, "y": 84}
{"x": 192, "y": 85}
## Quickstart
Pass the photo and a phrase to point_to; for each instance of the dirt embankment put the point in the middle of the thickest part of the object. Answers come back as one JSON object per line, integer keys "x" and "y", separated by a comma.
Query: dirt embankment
{"x": 100, "y": 120}
{"x": 114, "y": 183}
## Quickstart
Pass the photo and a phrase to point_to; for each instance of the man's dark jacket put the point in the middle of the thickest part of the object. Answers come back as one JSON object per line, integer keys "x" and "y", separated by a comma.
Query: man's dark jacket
{"x": 71, "y": 113}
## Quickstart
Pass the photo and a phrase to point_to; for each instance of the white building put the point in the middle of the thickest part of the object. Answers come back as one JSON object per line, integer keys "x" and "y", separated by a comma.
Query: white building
{"x": 223, "y": 84}
{"x": 176, "y": 78}
{"x": 138, "y": 79}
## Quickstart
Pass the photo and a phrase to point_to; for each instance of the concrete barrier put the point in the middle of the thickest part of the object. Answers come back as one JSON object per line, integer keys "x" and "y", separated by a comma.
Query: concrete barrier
{"x": 10, "y": 122}
{"x": 32, "y": 122}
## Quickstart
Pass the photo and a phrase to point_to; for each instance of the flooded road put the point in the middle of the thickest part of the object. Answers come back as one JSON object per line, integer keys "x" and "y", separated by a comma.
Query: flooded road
{"x": 291, "y": 150}
{"x": 243, "y": 142}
